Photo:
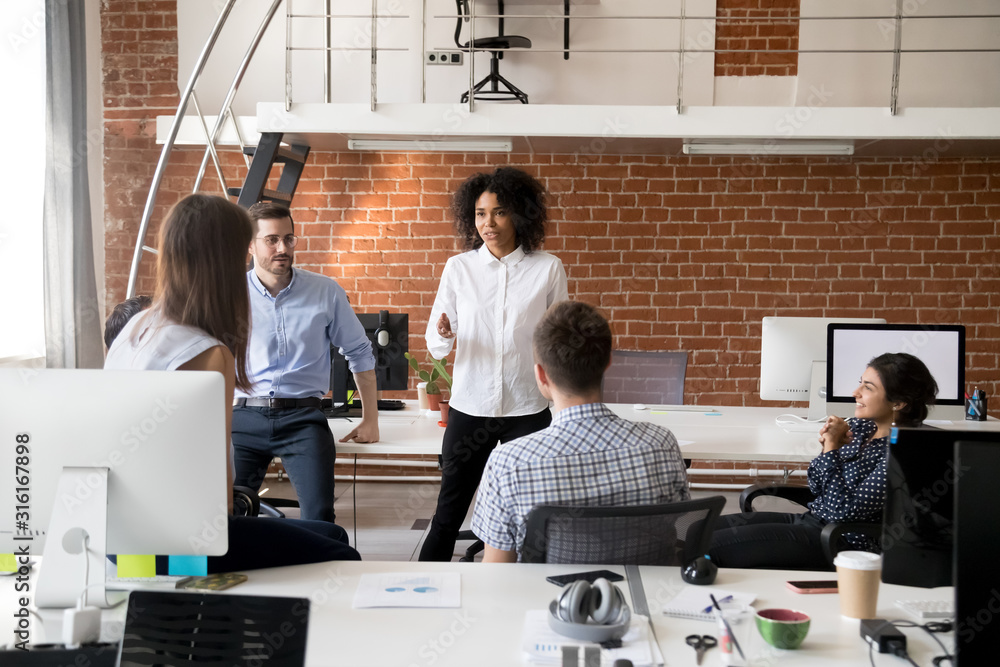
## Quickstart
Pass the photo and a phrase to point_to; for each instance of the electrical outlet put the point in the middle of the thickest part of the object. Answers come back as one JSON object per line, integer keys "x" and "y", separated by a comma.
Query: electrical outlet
{"x": 443, "y": 58}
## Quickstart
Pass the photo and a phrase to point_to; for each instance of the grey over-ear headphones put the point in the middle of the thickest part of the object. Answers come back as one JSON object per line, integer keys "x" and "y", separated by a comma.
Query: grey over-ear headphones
{"x": 592, "y": 612}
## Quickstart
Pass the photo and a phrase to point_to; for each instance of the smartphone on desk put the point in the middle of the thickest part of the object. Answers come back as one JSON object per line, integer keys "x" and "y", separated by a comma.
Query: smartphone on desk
{"x": 826, "y": 586}
{"x": 590, "y": 577}
{"x": 213, "y": 582}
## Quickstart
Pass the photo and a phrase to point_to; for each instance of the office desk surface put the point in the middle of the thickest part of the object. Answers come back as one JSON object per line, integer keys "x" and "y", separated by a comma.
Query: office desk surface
{"x": 719, "y": 432}
{"x": 487, "y": 629}
{"x": 728, "y": 433}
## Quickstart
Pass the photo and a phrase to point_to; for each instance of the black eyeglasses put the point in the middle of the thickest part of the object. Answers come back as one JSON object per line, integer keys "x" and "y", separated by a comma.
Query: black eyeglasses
{"x": 272, "y": 241}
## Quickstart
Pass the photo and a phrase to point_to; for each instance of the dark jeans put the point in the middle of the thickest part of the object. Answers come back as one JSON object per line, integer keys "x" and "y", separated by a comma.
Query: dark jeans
{"x": 773, "y": 540}
{"x": 468, "y": 443}
{"x": 302, "y": 438}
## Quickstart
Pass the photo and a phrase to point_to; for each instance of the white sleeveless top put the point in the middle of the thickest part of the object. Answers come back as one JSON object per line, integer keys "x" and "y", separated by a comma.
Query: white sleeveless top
{"x": 149, "y": 342}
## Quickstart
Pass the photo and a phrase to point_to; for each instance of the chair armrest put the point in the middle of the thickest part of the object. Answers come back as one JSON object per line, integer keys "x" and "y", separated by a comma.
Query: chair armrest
{"x": 246, "y": 502}
{"x": 800, "y": 495}
{"x": 832, "y": 532}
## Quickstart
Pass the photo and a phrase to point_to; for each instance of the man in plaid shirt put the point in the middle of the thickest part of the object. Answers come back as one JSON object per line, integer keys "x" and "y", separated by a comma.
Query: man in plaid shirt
{"x": 588, "y": 456}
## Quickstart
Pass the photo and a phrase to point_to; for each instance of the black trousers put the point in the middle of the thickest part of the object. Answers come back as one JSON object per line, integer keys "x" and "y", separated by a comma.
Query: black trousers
{"x": 773, "y": 540}
{"x": 468, "y": 443}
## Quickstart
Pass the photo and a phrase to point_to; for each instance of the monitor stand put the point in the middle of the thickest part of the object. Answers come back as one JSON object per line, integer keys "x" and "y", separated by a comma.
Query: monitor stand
{"x": 79, "y": 518}
{"x": 817, "y": 392}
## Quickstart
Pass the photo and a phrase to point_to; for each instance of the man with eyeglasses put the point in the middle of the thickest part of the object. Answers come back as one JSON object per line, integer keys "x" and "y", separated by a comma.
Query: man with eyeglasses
{"x": 297, "y": 315}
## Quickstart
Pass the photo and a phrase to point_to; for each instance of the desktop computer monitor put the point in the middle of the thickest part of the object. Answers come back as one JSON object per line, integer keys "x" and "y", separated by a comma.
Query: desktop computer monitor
{"x": 388, "y": 333}
{"x": 151, "y": 443}
{"x": 791, "y": 349}
{"x": 941, "y": 347}
{"x": 918, "y": 530}
{"x": 977, "y": 543}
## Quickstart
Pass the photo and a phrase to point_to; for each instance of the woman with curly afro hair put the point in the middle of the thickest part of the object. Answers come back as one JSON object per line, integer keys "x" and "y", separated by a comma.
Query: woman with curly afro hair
{"x": 490, "y": 299}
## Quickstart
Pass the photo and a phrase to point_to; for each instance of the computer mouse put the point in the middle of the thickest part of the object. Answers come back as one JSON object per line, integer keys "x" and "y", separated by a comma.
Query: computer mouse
{"x": 639, "y": 406}
{"x": 701, "y": 571}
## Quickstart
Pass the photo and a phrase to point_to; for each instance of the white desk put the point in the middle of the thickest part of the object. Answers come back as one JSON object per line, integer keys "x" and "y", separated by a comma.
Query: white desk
{"x": 728, "y": 433}
{"x": 487, "y": 629}
{"x": 738, "y": 433}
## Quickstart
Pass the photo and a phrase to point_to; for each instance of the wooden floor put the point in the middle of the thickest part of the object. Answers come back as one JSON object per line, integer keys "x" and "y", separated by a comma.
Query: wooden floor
{"x": 392, "y": 518}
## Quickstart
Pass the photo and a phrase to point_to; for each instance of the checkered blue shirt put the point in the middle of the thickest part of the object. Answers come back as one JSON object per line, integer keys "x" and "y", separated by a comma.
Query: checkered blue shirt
{"x": 587, "y": 456}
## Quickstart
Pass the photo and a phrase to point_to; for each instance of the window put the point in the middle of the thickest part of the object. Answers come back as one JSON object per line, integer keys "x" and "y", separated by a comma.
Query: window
{"x": 22, "y": 173}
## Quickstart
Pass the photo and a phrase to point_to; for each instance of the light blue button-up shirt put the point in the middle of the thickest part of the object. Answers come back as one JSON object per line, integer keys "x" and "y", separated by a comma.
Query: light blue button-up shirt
{"x": 292, "y": 333}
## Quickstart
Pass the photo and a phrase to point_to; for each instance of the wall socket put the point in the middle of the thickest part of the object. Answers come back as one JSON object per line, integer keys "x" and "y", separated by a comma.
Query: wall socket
{"x": 443, "y": 58}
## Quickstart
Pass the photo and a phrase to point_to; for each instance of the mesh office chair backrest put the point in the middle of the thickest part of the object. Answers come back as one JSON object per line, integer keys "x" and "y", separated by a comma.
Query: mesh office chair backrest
{"x": 645, "y": 377}
{"x": 666, "y": 534}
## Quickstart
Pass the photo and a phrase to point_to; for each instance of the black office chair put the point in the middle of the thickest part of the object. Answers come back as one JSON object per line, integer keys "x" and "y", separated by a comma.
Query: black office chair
{"x": 665, "y": 534}
{"x": 496, "y": 46}
{"x": 246, "y": 502}
{"x": 832, "y": 537}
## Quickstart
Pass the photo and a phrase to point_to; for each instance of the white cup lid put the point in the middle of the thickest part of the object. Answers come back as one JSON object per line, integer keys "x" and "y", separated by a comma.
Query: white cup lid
{"x": 421, "y": 384}
{"x": 858, "y": 560}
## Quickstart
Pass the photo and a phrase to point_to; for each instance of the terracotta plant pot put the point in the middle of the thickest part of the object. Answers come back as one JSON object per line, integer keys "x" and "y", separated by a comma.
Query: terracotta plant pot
{"x": 444, "y": 412}
{"x": 434, "y": 402}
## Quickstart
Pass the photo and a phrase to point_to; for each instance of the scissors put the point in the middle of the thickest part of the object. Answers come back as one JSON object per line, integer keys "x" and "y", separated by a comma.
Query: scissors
{"x": 701, "y": 643}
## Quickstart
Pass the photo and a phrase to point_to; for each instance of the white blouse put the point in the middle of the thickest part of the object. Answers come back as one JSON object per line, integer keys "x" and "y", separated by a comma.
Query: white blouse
{"x": 494, "y": 305}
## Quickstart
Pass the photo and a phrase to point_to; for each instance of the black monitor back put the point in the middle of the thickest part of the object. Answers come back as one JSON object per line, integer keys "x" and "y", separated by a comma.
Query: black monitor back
{"x": 918, "y": 519}
{"x": 977, "y": 544}
{"x": 391, "y": 368}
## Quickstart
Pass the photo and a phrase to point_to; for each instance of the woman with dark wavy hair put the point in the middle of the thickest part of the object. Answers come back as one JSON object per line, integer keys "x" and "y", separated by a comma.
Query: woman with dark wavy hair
{"x": 488, "y": 303}
{"x": 848, "y": 477}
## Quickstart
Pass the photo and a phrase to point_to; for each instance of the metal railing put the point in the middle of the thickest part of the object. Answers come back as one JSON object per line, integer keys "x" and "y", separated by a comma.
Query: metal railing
{"x": 188, "y": 96}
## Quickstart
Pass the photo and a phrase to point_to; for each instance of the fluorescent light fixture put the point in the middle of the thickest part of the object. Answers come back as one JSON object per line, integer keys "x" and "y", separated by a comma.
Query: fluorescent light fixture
{"x": 769, "y": 147}
{"x": 432, "y": 145}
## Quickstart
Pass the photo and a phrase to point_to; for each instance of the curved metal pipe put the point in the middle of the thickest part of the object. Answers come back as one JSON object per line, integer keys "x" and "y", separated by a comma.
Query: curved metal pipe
{"x": 168, "y": 146}
{"x": 231, "y": 95}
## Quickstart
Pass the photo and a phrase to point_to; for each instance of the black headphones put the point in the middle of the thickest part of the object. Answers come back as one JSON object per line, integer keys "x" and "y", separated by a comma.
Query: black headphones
{"x": 591, "y": 612}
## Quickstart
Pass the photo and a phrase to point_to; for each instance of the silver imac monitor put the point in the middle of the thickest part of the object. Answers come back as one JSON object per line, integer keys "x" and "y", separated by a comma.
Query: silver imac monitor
{"x": 133, "y": 460}
{"x": 793, "y": 359}
{"x": 940, "y": 346}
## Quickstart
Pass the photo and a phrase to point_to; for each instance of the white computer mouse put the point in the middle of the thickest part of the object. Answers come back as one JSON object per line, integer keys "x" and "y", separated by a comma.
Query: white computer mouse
{"x": 639, "y": 406}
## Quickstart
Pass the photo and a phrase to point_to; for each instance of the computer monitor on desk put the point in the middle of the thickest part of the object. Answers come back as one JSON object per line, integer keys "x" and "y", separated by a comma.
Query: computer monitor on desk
{"x": 918, "y": 529}
{"x": 793, "y": 359}
{"x": 850, "y": 346}
{"x": 389, "y": 334}
{"x": 136, "y": 460}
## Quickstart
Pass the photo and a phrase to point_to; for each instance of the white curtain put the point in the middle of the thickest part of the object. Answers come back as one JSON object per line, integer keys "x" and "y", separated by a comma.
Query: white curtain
{"x": 72, "y": 312}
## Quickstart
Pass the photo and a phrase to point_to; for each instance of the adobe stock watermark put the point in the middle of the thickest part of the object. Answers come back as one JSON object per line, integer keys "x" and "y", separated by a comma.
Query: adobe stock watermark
{"x": 131, "y": 440}
{"x": 434, "y": 648}
{"x": 29, "y": 29}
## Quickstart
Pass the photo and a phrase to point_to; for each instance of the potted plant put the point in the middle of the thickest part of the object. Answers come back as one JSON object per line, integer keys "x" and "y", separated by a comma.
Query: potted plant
{"x": 432, "y": 377}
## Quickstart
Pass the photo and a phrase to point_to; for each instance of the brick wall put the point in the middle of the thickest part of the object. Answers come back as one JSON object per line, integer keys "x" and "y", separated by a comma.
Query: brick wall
{"x": 758, "y": 25}
{"x": 681, "y": 252}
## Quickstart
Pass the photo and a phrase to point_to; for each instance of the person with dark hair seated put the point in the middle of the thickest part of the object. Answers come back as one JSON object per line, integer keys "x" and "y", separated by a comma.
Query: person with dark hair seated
{"x": 489, "y": 301}
{"x": 848, "y": 477}
{"x": 121, "y": 314}
{"x": 588, "y": 456}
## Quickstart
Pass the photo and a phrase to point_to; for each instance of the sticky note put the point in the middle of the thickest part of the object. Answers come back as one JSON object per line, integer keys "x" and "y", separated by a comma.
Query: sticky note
{"x": 136, "y": 566}
{"x": 8, "y": 563}
{"x": 195, "y": 566}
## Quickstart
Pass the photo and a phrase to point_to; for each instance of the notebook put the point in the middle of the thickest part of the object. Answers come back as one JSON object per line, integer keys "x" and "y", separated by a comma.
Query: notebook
{"x": 694, "y": 602}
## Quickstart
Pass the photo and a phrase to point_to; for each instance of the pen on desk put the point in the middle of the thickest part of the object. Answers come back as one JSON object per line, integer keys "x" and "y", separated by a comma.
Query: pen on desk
{"x": 708, "y": 609}
{"x": 729, "y": 629}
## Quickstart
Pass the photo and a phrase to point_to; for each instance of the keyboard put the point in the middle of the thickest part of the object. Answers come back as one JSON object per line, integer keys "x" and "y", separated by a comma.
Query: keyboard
{"x": 928, "y": 609}
{"x": 390, "y": 404}
{"x": 354, "y": 410}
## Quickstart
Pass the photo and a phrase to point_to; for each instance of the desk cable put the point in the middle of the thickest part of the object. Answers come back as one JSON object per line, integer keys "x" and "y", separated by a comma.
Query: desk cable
{"x": 789, "y": 419}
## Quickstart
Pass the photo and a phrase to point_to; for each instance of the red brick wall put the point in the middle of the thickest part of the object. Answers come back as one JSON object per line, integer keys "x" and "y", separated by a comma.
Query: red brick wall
{"x": 759, "y": 25}
{"x": 681, "y": 252}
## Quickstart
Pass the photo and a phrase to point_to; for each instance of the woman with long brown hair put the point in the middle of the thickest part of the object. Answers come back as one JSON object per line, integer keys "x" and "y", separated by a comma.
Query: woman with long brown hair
{"x": 200, "y": 321}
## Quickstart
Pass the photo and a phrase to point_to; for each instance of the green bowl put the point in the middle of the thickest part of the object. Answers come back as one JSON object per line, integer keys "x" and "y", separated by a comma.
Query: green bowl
{"x": 782, "y": 628}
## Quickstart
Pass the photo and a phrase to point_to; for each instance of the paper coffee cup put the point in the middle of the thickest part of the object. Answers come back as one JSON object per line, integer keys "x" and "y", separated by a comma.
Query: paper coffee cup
{"x": 422, "y": 396}
{"x": 858, "y": 576}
